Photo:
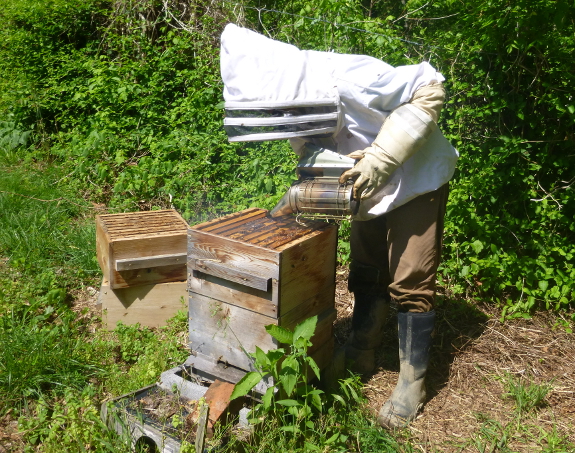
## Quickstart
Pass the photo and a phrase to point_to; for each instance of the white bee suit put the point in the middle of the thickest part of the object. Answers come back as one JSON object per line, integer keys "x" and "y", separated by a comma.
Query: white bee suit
{"x": 274, "y": 91}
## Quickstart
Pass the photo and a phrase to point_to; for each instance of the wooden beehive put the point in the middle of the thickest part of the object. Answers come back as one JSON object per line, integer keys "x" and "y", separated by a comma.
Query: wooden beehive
{"x": 248, "y": 270}
{"x": 141, "y": 248}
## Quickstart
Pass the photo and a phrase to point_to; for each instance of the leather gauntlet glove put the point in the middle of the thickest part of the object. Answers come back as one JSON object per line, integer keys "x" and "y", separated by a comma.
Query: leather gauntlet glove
{"x": 402, "y": 134}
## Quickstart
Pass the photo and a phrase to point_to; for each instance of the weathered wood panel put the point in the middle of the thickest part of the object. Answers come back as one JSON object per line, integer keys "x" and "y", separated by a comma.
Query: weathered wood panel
{"x": 307, "y": 268}
{"x": 149, "y": 305}
{"x": 234, "y": 293}
{"x": 151, "y": 261}
{"x": 316, "y": 304}
{"x": 233, "y": 274}
{"x": 233, "y": 253}
{"x": 227, "y": 332}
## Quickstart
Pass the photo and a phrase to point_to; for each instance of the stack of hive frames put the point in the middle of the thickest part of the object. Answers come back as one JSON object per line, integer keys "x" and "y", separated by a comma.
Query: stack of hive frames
{"x": 248, "y": 270}
{"x": 143, "y": 258}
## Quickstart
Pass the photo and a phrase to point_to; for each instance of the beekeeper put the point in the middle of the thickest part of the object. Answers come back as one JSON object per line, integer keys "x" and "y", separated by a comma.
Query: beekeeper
{"x": 386, "y": 118}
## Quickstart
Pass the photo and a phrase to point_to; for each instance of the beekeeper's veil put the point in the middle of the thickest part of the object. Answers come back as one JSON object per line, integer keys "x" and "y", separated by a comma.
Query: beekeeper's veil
{"x": 275, "y": 91}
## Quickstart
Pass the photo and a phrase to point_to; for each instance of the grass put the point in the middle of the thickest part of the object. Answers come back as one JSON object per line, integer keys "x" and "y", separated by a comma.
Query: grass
{"x": 523, "y": 429}
{"x": 55, "y": 366}
{"x": 526, "y": 394}
{"x": 40, "y": 353}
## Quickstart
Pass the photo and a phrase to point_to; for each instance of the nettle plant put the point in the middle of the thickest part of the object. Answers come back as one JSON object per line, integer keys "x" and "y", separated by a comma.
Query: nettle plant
{"x": 295, "y": 403}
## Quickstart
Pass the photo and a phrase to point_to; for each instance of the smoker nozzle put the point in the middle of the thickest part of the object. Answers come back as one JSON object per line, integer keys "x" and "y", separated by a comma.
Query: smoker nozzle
{"x": 322, "y": 195}
{"x": 284, "y": 206}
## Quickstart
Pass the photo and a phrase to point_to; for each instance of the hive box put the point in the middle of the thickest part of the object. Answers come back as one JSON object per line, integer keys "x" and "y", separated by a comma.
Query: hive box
{"x": 141, "y": 248}
{"x": 248, "y": 270}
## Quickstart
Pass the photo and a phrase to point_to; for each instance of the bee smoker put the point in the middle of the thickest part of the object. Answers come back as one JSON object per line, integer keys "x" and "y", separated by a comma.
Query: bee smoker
{"x": 324, "y": 196}
{"x": 318, "y": 192}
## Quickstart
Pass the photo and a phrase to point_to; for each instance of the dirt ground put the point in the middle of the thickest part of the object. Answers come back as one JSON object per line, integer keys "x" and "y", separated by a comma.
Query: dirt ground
{"x": 472, "y": 358}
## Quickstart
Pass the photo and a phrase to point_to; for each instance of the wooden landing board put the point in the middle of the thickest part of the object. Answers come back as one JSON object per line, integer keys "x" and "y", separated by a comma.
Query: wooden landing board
{"x": 140, "y": 248}
{"x": 149, "y": 305}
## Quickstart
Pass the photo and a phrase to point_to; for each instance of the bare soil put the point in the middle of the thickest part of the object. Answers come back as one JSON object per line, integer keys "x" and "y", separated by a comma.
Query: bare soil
{"x": 472, "y": 357}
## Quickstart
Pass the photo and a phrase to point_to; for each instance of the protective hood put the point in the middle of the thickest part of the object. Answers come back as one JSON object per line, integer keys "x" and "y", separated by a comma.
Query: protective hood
{"x": 274, "y": 91}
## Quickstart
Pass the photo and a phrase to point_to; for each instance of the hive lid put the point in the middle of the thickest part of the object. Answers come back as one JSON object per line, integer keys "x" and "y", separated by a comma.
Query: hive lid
{"x": 255, "y": 226}
{"x": 142, "y": 224}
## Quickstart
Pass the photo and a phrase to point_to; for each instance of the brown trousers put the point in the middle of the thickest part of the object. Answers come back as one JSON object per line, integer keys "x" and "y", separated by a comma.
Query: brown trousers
{"x": 399, "y": 252}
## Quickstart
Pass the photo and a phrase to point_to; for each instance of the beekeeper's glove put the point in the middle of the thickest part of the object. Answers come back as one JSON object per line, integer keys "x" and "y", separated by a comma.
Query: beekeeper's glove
{"x": 402, "y": 134}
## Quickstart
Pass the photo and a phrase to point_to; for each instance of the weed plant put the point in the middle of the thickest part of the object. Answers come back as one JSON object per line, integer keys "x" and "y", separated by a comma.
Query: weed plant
{"x": 523, "y": 427}
{"x": 295, "y": 415}
{"x": 526, "y": 394}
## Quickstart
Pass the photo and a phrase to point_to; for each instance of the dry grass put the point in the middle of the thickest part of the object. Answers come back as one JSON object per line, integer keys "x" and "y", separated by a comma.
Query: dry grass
{"x": 473, "y": 357}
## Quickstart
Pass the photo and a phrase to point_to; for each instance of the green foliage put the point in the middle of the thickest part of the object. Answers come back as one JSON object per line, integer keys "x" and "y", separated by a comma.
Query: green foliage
{"x": 509, "y": 112}
{"x": 289, "y": 372}
{"x": 70, "y": 424}
{"x": 524, "y": 426}
{"x": 526, "y": 394}
{"x": 509, "y": 229}
{"x": 315, "y": 421}
{"x": 132, "y": 357}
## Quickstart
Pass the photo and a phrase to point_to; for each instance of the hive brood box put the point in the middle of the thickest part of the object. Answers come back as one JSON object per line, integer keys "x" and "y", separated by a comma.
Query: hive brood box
{"x": 141, "y": 248}
{"x": 248, "y": 270}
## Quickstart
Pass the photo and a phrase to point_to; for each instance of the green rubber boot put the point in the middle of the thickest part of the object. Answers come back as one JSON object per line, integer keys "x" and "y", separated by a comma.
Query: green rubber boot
{"x": 414, "y": 332}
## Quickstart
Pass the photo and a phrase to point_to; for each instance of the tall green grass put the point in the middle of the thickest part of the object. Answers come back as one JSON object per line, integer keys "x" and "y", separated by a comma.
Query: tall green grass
{"x": 42, "y": 222}
{"x": 40, "y": 353}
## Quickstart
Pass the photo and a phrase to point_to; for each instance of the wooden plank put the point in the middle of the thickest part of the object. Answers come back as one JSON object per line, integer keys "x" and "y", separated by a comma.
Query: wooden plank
{"x": 318, "y": 303}
{"x": 151, "y": 261}
{"x": 103, "y": 251}
{"x": 229, "y": 272}
{"x": 247, "y": 234}
{"x": 226, "y": 332}
{"x": 139, "y": 247}
{"x": 209, "y": 223}
{"x": 251, "y": 258}
{"x": 149, "y": 305}
{"x": 225, "y": 223}
{"x": 323, "y": 355}
{"x": 202, "y": 427}
{"x": 234, "y": 293}
{"x": 148, "y": 276}
{"x": 228, "y": 229}
{"x": 323, "y": 330}
{"x": 307, "y": 268}
{"x": 145, "y": 248}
